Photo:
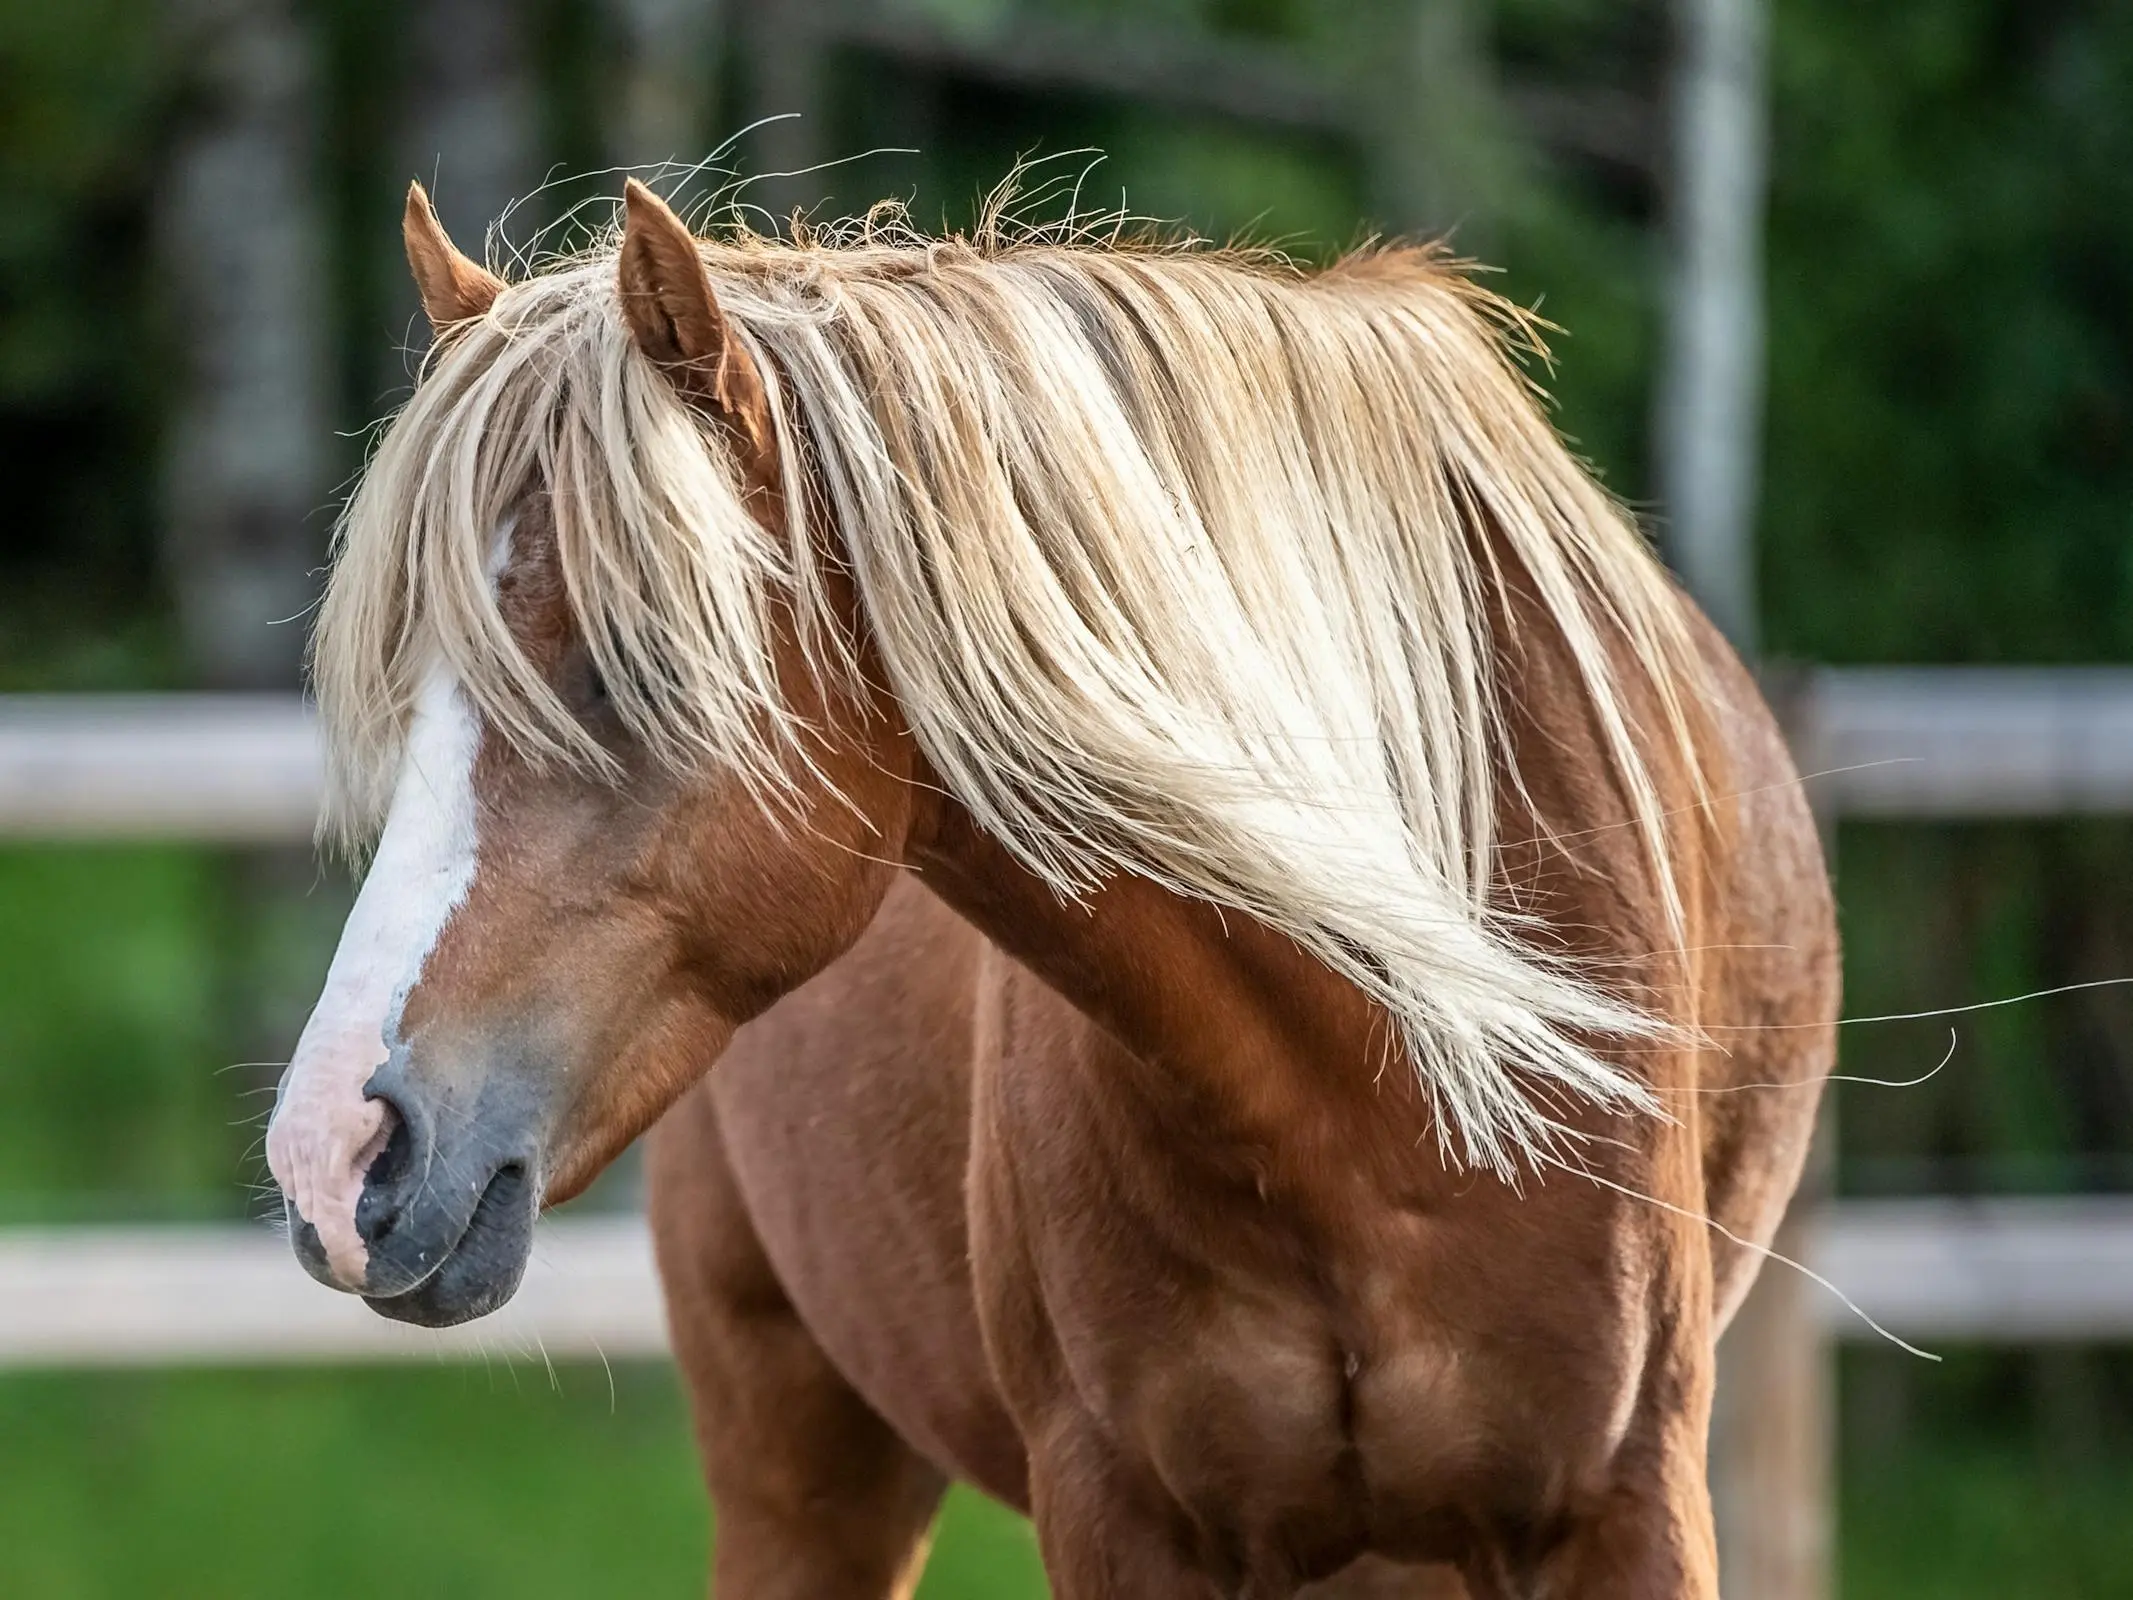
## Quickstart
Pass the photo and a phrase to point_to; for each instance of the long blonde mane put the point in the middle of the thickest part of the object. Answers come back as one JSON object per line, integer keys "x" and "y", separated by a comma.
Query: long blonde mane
{"x": 1179, "y": 563}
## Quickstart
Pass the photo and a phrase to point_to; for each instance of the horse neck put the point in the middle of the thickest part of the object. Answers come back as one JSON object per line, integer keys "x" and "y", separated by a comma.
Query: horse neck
{"x": 1263, "y": 1028}
{"x": 1253, "y": 1023}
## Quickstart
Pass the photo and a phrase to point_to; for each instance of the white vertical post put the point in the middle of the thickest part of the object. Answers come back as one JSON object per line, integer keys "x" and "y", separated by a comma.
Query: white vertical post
{"x": 1710, "y": 408}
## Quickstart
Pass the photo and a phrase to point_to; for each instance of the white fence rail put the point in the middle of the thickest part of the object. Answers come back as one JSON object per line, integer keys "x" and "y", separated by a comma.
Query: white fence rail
{"x": 233, "y": 1294}
{"x": 236, "y": 767}
{"x": 1992, "y": 1271}
{"x": 1956, "y": 742}
{"x": 2028, "y": 1270}
{"x": 1949, "y": 742}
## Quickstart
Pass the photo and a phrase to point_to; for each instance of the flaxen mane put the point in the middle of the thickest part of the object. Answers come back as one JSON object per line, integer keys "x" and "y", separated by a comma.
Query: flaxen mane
{"x": 1172, "y": 558}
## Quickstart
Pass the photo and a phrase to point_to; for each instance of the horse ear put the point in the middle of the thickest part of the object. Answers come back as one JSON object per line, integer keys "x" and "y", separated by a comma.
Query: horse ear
{"x": 673, "y": 314}
{"x": 453, "y": 289}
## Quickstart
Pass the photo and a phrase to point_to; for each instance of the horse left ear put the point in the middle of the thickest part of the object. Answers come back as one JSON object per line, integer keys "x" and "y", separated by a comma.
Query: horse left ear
{"x": 673, "y": 313}
{"x": 453, "y": 289}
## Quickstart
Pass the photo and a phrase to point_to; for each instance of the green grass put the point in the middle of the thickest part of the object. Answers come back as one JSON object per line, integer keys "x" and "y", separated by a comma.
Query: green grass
{"x": 107, "y": 1080}
{"x": 473, "y": 1481}
{"x": 459, "y": 1481}
{"x": 1987, "y": 1524}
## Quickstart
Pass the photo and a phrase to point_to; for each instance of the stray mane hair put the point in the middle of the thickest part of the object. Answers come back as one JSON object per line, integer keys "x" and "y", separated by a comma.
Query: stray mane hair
{"x": 1179, "y": 562}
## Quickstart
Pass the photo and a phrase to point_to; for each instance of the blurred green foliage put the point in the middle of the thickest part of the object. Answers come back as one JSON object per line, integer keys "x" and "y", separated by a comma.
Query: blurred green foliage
{"x": 82, "y": 93}
{"x": 1994, "y": 1473}
{"x": 1951, "y": 440}
{"x": 2035, "y": 1097}
{"x": 119, "y": 1092}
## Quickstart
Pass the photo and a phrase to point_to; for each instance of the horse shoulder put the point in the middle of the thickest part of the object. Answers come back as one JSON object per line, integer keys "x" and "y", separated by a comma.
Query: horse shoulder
{"x": 1757, "y": 968}
{"x": 1771, "y": 980}
{"x": 844, "y": 1111}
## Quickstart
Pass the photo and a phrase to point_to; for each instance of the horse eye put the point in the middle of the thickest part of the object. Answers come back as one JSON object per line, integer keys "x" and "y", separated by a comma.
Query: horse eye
{"x": 592, "y": 686}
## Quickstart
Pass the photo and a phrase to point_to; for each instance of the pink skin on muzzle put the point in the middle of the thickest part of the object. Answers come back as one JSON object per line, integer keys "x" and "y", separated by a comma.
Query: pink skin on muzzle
{"x": 325, "y": 1134}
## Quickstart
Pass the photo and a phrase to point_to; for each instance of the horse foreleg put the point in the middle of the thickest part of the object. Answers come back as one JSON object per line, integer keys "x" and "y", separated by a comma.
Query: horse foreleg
{"x": 1637, "y": 1551}
{"x": 1649, "y": 1537}
{"x": 817, "y": 1498}
{"x": 1101, "y": 1539}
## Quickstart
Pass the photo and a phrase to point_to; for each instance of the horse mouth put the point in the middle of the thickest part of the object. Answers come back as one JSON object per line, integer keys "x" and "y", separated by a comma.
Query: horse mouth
{"x": 483, "y": 1268}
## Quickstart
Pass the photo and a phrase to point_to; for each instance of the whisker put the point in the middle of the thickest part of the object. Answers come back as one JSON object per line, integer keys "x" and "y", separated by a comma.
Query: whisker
{"x": 1926, "y": 1016}
{"x": 243, "y": 1066}
{"x": 1838, "y": 1077}
{"x": 1765, "y": 1251}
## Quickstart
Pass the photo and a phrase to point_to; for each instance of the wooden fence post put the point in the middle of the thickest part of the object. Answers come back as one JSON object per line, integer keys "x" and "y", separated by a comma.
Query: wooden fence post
{"x": 1773, "y": 1428}
{"x": 1772, "y": 1433}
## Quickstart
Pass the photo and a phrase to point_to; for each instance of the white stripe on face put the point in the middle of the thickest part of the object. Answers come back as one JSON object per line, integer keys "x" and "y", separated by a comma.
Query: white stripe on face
{"x": 325, "y": 1134}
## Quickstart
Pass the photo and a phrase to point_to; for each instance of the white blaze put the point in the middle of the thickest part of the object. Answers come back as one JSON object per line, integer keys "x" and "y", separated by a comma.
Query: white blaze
{"x": 325, "y": 1134}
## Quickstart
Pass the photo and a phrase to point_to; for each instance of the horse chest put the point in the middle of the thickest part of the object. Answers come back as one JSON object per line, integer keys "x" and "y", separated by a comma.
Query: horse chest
{"x": 1300, "y": 1418}
{"x": 1284, "y": 1329}
{"x": 1291, "y": 1439}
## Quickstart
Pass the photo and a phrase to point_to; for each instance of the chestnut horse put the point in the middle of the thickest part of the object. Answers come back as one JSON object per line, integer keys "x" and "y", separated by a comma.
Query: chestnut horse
{"x": 1210, "y": 858}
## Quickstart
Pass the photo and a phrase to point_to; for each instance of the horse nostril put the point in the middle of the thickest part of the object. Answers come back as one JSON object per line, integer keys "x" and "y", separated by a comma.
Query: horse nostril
{"x": 379, "y": 1206}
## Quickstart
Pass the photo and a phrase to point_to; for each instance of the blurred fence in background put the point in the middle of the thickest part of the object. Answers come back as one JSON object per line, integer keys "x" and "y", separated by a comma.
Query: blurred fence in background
{"x": 1889, "y": 743}
{"x": 1970, "y": 1271}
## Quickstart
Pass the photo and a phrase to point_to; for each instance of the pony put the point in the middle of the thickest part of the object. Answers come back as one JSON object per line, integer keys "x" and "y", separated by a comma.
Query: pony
{"x": 1167, "y": 863}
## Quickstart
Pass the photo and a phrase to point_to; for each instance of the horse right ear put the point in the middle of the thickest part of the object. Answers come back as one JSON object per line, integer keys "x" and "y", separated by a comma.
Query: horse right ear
{"x": 674, "y": 316}
{"x": 453, "y": 289}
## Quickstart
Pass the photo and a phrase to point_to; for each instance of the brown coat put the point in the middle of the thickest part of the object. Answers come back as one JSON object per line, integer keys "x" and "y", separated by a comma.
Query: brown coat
{"x": 1104, "y": 1210}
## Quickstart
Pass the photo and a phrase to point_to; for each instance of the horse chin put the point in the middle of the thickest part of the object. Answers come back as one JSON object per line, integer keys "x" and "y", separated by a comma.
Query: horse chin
{"x": 484, "y": 1268}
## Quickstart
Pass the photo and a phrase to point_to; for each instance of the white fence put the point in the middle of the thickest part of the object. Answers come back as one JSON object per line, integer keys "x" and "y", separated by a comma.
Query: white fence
{"x": 1896, "y": 742}
{"x": 238, "y": 767}
{"x": 1875, "y": 741}
{"x": 233, "y": 1294}
{"x": 1967, "y": 742}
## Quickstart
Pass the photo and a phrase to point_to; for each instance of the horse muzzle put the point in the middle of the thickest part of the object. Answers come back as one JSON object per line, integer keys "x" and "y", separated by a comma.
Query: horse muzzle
{"x": 438, "y": 1227}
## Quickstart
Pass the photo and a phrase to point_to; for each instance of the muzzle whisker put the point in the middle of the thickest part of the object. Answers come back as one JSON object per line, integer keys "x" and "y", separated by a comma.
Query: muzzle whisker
{"x": 243, "y": 1066}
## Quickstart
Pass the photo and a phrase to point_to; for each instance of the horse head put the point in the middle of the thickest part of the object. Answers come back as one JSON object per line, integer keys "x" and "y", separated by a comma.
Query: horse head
{"x": 556, "y": 935}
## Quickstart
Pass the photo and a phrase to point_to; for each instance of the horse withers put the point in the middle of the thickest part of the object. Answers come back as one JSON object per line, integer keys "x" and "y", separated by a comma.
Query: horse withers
{"x": 1212, "y": 865}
